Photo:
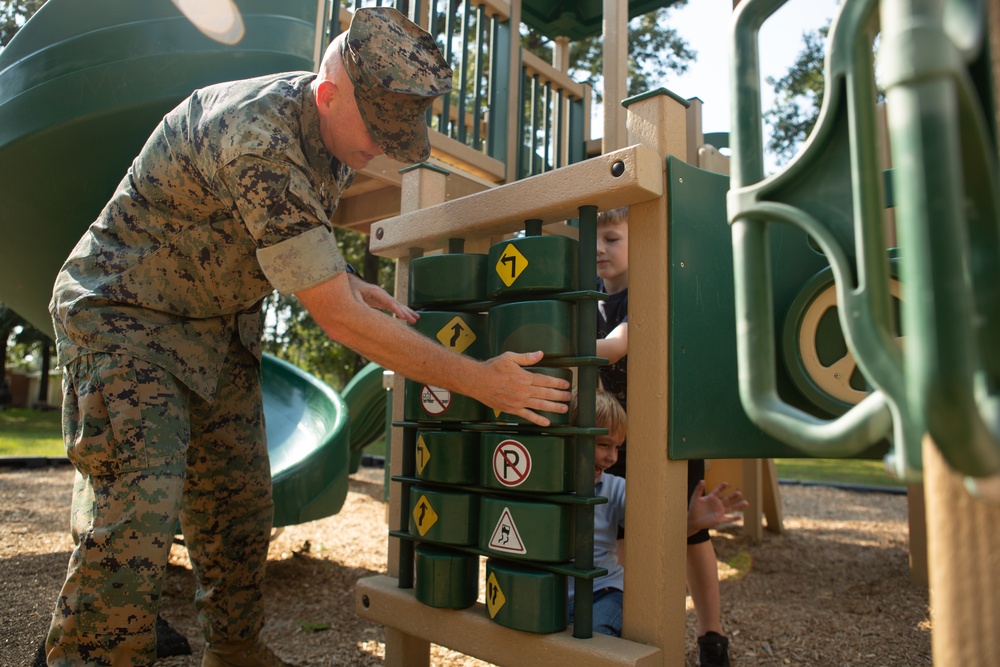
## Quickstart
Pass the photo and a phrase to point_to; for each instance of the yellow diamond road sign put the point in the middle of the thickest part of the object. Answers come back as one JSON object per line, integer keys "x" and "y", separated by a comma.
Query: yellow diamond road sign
{"x": 456, "y": 335}
{"x": 424, "y": 515}
{"x": 423, "y": 454}
{"x": 511, "y": 264}
{"x": 494, "y": 596}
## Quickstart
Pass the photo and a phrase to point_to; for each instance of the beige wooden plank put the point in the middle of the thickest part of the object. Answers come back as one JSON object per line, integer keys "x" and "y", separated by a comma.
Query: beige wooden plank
{"x": 471, "y": 632}
{"x": 551, "y": 197}
{"x": 655, "y": 540}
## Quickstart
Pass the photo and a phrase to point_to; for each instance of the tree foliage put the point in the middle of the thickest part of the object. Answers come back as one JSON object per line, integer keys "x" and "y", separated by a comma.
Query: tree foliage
{"x": 13, "y": 14}
{"x": 799, "y": 96}
{"x": 655, "y": 50}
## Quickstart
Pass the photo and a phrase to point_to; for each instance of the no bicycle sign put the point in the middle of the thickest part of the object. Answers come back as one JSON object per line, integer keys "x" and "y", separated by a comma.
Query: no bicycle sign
{"x": 434, "y": 400}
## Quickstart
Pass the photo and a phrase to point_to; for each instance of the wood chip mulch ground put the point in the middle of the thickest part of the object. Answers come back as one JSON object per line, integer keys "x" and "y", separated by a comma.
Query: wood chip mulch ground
{"x": 833, "y": 590}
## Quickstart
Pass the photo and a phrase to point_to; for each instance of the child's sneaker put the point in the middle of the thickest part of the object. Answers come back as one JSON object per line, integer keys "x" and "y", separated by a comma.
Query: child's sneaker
{"x": 713, "y": 650}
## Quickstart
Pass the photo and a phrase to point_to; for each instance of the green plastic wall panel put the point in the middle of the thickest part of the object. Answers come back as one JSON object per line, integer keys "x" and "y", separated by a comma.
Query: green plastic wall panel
{"x": 707, "y": 419}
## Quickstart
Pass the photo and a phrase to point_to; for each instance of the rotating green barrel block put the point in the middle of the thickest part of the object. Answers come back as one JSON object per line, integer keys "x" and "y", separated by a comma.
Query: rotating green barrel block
{"x": 523, "y": 598}
{"x": 526, "y": 463}
{"x": 465, "y": 333}
{"x": 526, "y": 326}
{"x": 555, "y": 418}
{"x": 522, "y": 529}
{"x": 448, "y": 457}
{"x": 446, "y": 579}
{"x": 532, "y": 265}
{"x": 441, "y": 516}
{"x": 445, "y": 280}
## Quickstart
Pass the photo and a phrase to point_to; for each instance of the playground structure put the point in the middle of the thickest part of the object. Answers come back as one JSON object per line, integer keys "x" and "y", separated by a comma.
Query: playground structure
{"x": 454, "y": 196}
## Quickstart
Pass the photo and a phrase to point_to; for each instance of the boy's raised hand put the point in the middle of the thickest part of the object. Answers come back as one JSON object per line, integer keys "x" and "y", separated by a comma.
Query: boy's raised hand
{"x": 714, "y": 508}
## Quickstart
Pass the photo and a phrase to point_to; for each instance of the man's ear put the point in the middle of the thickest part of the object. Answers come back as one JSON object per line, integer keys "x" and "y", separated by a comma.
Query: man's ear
{"x": 327, "y": 95}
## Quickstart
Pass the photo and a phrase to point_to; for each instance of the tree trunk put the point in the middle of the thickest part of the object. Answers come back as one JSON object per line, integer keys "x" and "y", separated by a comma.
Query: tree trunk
{"x": 5, "y": 397}
{"x": 43, "y": 381}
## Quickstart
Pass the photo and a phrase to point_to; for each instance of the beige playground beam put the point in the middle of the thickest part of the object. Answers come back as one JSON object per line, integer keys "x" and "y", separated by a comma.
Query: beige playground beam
{"x": 654, "y": 629}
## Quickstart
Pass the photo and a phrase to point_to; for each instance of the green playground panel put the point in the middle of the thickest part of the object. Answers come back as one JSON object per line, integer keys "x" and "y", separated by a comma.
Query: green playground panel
{"x": 707, "y": 419}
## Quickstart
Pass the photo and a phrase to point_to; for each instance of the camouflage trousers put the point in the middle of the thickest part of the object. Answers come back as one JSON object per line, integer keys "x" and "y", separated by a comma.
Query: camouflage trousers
{"x": 148, "y": 452}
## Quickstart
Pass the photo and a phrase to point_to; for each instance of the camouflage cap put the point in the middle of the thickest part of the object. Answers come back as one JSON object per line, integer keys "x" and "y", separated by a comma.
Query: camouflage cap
{"x": 397, "y": 70}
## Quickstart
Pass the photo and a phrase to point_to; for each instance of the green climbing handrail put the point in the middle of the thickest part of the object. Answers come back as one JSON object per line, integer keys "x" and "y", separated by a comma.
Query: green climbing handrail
{"x": 853, "y": 241}
{"x": 947, "y": 201}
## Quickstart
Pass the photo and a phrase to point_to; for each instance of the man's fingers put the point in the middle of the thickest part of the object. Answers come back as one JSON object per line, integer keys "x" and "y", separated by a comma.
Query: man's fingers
{"x": 533, "y": 417}
{"x": 549, "y": 382}
{"x": 527, "y": 358}
{"x": 550, "y": 406}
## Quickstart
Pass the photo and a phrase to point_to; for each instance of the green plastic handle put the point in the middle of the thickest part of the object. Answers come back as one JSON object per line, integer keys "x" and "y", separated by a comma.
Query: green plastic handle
{"x": 948, "y": 218}
{"x": 847, "y": 118}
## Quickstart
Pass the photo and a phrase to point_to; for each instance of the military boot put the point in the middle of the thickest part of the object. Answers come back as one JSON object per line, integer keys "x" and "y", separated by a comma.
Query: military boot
{"x": 241, "y": 654}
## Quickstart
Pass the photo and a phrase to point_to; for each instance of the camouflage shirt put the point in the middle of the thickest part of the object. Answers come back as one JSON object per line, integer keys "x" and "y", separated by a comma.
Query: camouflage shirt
{"x": 230, "y": 198}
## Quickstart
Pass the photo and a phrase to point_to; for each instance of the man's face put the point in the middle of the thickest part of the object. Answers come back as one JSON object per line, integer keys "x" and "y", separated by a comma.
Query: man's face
{"x": 341, "y": 127}
{"x": 606, "y": 452}
{"x": 612, "y": 250}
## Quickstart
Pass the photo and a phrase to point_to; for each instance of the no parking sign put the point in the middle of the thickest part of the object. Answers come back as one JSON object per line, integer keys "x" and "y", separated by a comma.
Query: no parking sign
{"x": 511, "y": 463}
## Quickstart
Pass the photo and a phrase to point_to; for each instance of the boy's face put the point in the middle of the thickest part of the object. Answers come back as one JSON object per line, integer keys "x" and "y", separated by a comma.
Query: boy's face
{"x": 612, "y": 250}
{"x": 606, "y": 452}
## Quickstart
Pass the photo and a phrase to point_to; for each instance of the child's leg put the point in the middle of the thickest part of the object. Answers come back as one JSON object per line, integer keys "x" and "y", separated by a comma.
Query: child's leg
{"x": 703, "y": 584}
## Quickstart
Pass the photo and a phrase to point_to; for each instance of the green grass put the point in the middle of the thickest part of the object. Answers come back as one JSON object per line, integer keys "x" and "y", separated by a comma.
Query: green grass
{"x": 30, "y": 433}
{"x": 844, "y": 471}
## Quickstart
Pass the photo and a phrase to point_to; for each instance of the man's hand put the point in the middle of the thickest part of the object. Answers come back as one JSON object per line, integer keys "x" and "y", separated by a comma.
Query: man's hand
{"x": 376, "y": 297}
{"x": 511, "y": 389}
{"x": 713, "y": 509}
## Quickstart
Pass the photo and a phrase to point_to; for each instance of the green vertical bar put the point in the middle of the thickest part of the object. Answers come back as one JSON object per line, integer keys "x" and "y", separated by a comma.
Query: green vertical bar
{"x": 477, "y": 102}
{"x": 577, "y": 142}
{"x": 521, "y": 101}
{"x": 408, "y": 469}
{"x": 587, "y": 385}
{"x": 546, "y": 164}
{"x": 534, "y": 125}
{"x": 463, "y": 77}
{"x": 561, "y": 135}
{"x": 499, "y": 63}
{"x": 387, "y": 475}
{"x": 449, "y": 29}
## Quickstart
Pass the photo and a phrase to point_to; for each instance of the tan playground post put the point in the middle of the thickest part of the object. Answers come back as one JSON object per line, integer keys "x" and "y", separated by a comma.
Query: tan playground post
{"x": 655, "y": 560}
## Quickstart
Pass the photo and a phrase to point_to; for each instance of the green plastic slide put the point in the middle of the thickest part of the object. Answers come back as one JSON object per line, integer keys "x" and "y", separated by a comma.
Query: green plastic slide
{"x": 81, "y": 87}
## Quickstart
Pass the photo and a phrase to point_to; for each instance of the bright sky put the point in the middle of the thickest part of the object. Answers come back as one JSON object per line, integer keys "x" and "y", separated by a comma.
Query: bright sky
{"x": 704, "y": 24}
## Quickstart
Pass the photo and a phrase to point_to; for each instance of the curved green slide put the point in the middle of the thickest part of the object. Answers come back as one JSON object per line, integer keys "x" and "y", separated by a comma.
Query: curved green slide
{"x": 82, "y": 84}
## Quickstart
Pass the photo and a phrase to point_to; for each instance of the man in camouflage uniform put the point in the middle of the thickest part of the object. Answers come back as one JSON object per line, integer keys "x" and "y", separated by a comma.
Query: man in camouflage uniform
{"x": 157, "y": 318}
